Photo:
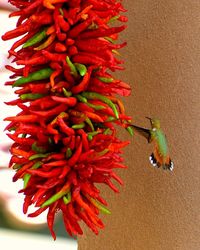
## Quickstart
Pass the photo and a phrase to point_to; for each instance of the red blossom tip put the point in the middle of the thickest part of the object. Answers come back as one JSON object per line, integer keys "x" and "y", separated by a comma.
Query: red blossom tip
{"x": 65, "y": 138}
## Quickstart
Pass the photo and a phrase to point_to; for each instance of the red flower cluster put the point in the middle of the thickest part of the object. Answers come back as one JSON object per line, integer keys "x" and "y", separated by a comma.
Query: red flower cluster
{"x": 64, "y": 137}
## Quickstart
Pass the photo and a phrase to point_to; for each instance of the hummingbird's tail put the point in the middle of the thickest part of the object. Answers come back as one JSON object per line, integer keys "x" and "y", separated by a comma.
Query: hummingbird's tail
{"x": 156, "y": 162}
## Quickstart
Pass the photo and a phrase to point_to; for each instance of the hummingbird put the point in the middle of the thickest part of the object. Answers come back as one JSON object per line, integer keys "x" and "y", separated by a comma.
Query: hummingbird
{"x": 160, "y": 156}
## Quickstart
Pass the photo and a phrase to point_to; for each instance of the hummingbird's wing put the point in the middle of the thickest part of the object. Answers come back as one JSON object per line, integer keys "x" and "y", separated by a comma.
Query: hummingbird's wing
{"x": 143, "y": 132}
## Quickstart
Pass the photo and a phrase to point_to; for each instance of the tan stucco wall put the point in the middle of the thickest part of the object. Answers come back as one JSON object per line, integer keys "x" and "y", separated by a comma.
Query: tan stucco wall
{"x": 157, "y": 210}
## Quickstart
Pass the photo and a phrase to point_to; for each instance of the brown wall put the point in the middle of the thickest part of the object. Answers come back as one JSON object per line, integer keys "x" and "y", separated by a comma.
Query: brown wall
{"x": 157, "y": 210}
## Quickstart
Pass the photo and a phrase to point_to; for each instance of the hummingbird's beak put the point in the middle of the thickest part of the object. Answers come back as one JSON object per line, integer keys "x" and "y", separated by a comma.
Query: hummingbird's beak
{"x": 149, "y": 120}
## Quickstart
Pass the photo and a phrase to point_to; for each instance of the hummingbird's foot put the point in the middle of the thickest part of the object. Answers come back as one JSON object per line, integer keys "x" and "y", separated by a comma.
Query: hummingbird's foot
{"x": 169, "y": 166}
{"x": 165, "y": 167}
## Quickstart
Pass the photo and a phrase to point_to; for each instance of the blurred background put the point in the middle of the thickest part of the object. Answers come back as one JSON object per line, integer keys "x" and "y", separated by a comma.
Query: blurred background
{"x": 15, "y": 227}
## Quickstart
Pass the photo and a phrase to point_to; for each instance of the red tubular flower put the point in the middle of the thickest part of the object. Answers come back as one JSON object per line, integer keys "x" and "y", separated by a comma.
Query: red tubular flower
{"x": 64, "y": 137}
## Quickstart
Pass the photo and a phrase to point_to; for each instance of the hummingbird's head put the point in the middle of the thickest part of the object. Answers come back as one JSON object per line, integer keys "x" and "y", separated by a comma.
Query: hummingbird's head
{"x": 155, "y": 123}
